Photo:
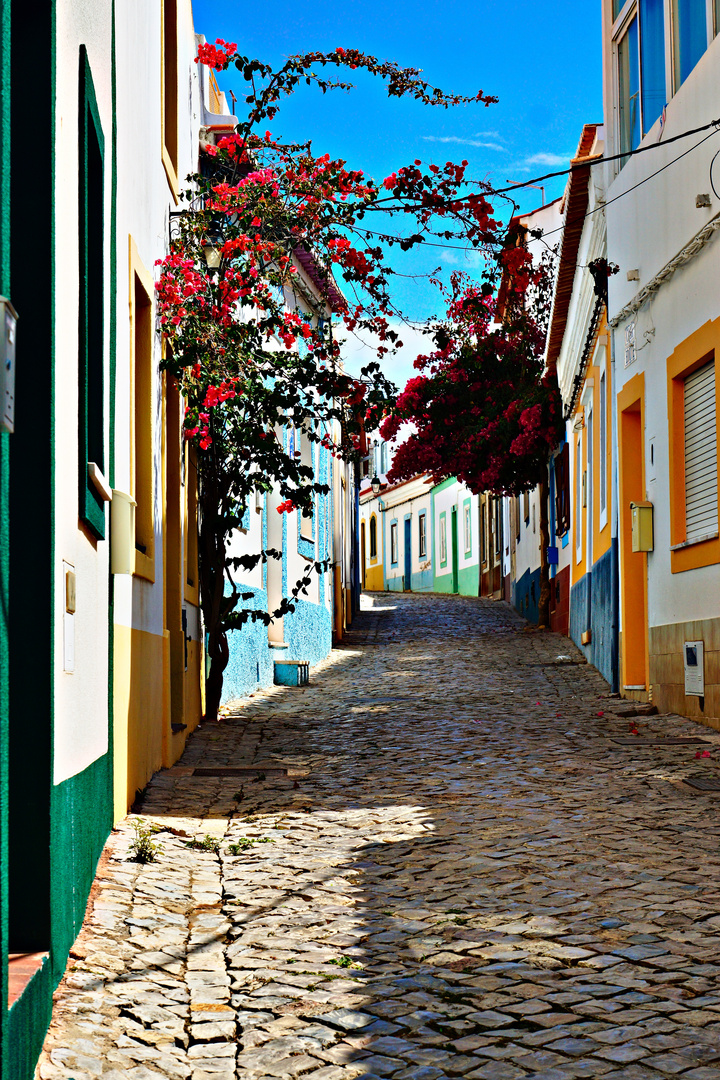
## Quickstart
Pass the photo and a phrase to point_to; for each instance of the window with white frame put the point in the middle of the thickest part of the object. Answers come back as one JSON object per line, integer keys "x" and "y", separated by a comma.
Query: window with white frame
{"x": 467, "y": 530}
{"x": 422, "y": 536}
{"x": 602, "y": 464}
{"x": 394, "y": 542}
{"x": 443, "y": 538}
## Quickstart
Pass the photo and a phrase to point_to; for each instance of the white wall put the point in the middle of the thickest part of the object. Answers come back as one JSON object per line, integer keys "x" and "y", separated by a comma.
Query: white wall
{"x": 645, "y": 230}
{"x": 81, "y": 714}
{"x": 456, "y": 495}
{"x": 407, "y": 501}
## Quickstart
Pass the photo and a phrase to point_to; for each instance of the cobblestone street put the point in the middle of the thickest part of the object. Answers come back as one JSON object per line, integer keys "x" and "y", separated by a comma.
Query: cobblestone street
{"x": 440, "y": 859}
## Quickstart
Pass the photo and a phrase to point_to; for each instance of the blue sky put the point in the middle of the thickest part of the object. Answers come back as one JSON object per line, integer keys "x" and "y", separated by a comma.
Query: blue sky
{"x": 541, "y": 60}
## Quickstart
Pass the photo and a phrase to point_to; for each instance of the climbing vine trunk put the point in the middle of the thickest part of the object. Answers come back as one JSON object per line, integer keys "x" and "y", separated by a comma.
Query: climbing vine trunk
{"x": 212, "y": 582}
{"x": 544, "y": 602}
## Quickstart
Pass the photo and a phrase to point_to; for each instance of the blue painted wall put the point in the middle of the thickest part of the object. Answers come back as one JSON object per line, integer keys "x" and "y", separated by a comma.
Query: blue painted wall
{"x": 307, "y": 629}
{"x": 423, "y": 580}
{"x": 250, "y": 664}
{"x": 526, "y": 595}
{"x": 593, "y": 607}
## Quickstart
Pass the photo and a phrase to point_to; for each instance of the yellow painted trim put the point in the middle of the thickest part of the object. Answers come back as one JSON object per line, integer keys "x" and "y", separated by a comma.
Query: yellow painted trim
{"x": 577, "y": 511}
{"x": 697, "y": 349}
{"x": 633, "y": 564}
{"x": 191, "y": 567}
{"x": 169, "y": 165}
{"x": 144, "y": 563}
{"x": 138, "y": 709}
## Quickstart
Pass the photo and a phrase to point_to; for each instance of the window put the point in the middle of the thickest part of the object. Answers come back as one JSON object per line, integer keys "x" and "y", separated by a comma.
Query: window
{"x": 467, "y": 530}
{"x": 91, "y": 351}
{"x": 526, "y": 507}
{"x": 443, "y": 539}
{"x": 143, "y": 464}
{"x": 304, "y": 448}
{"x": 483, "y": 530}
{"x": 629, "y": 88}
{"x": 169, "y": 61}
{"x": 498, "y": 527}
{"x": 562, "y": 491}
{"x": 689, "y": 19}
{"x": 602, "y": 464}
{"x": 373, "y": 537}
{"x": 422, "y": 536}
{"x": 701, "y": 465}
{"x": 652, "y": 60}
{"x": 394, "y": 543}
{"x": 191, "y": 524}
{"x": 579, "y": 491}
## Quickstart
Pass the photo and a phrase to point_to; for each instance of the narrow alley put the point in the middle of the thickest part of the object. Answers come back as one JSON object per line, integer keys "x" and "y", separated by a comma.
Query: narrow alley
{"x": 450, "y": 855}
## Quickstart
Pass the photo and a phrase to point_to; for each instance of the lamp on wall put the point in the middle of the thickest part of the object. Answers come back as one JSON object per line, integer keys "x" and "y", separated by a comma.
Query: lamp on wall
{"x": 212, "y": 245}
{"x": 375, "y": 485}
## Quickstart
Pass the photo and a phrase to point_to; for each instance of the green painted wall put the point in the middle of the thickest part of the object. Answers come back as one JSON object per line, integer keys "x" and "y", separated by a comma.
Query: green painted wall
{"x": 468, "y": 582}
{"x": 4, "y": 524}
{"x": 56, "y": 833}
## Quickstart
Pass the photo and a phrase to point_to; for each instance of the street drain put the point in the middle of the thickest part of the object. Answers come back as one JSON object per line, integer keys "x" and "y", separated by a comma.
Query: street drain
{"x": 635, "y": 741}
{"x": 250, "y": 770}
{"x": 704, "y": 783}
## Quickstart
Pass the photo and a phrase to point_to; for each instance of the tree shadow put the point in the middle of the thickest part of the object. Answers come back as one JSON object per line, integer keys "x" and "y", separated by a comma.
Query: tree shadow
{"x": 433, "y": 897}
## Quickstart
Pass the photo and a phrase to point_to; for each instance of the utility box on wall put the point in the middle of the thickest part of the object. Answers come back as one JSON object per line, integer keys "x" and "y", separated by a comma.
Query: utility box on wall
{"x": 8, "y": 335}
{"x": 642, "y": 526}
{"x": 694, "y": 664}
{"x": 122, "y": 533}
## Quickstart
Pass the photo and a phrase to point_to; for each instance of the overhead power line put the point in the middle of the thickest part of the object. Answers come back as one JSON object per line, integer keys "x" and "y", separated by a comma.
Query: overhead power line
{"x": 464, "y": 247}
{"x": 609, "y": 157}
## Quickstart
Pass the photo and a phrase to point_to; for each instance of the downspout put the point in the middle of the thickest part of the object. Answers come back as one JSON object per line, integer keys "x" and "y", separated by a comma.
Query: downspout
{"x": 356, "y": 542}
{"x": 614, "y": 517}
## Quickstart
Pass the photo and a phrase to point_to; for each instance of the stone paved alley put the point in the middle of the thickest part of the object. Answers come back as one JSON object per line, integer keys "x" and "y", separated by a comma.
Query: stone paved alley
{"x": 453, "y": 871}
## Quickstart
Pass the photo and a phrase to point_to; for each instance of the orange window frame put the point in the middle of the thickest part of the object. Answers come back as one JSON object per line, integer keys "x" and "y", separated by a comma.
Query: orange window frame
{"x": 698, "y": 349}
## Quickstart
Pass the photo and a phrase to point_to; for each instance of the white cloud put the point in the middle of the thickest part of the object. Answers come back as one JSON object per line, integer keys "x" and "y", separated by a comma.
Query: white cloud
{"x": 543, "y": 158}
{"x": 466, "y": 260}
{"x": 464, "y": 142}
{"x": 358, "y": 350}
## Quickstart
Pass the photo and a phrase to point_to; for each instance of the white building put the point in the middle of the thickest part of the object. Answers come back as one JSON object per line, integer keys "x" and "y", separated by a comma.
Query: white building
{"x": 664, "y": 313}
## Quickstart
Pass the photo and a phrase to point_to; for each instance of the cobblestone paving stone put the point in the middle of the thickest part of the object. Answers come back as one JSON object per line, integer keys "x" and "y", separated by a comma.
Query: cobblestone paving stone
{"x": 461, "y": 875}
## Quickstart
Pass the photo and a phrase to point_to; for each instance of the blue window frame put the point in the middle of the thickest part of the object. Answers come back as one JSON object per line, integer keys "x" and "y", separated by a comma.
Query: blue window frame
{"x": 690, "y": 36}
{"x": 652, "y": 60}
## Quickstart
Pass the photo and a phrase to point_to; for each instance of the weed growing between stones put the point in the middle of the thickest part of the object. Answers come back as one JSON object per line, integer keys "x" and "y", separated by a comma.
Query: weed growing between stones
{"x": 143, "y": 848}
{"x": 208, "y": 843}
{"x": 246, "y": 842}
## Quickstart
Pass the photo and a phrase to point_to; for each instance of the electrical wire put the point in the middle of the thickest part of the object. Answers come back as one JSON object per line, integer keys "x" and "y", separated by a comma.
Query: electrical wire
{"x": 712, "y": 185}
{"x": 610, "y": 157}
{"x": 597, "y": 209}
